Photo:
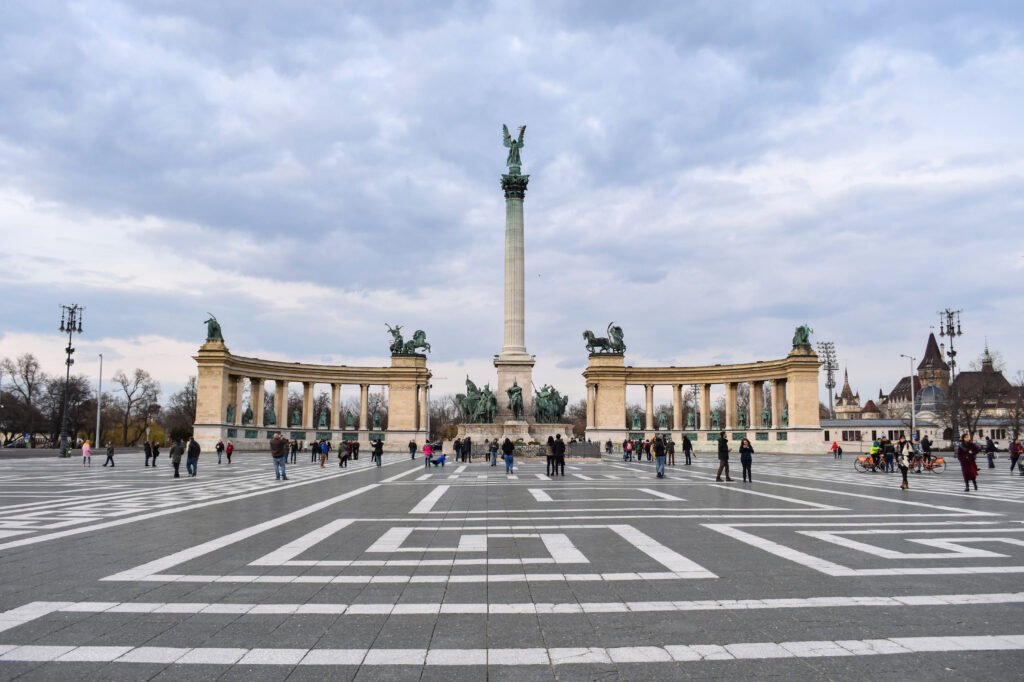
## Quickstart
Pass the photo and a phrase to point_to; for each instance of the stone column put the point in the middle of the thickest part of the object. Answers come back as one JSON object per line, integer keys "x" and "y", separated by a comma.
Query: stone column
{"x": 649, "y": 416}
{"x": 307, "y": 404}
{"x": 424, "y": 408}
{"x": 677, "y": 407}
{"x": 756, "y": 403}
{"x": 730, "y": 405}
{"x": 778, "y": 401}
{"x": 591, "y": 406}
{"x": 364, "y": 398}
{"x": 256, "y": 400}
{"x": 515, "y": 282}
{"x": 281, "y": 405}
{"x": 334, "y": 416}
{"x": 705, "y": 407}
{"x": 239, "y": 397}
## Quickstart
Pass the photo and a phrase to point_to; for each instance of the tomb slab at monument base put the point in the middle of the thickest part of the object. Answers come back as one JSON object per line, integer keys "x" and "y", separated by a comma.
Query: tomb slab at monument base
{"x": 514, "y": 430}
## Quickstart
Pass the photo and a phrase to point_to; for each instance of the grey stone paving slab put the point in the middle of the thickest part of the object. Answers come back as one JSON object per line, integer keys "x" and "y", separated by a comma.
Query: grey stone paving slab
{"x": 73, "y": 569}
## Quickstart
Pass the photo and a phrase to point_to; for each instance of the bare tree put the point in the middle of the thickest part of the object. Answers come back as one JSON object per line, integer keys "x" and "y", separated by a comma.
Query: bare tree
{"x": 1015, "y": 407}
{"x": 444, "y": 417}
{"x": 136, "y": 403}
{"x": 51, "y": 404}
{"x": 180, "y": 415}
{"x": 576, "y": 414}
{"x": 28, "y": 380}
{"x": 321, "y": 405}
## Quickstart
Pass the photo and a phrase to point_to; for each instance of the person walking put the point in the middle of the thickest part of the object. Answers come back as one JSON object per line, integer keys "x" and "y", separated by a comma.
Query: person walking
{"x": 428, "y": 453}
{"x": 493, "y": 450}
{"x": 343, "y": 452}
{"x": 314, "y": 452}
{"x": 835, "y": 450}
{"x": 627, "y": 450}
{"x": 903, "y": 461}
{"x": 687, "y": 449}
{"x": 378, "y": 451}
{"x": 549, "y": 456}
{"x": 457, "y": 447}
{"x": 608, "y": 447}
{"x": 177, "y": 450}
{"x": 147, "y": 448}
{"x": 508, "y": 452}
{"x": 990, "y": 452}
{"x": 192, "y": 460}
{"x": 723, "y": 457}
{"x": 659, "y": 457}
{"x": 220, "y": 449}
{"x": 156, "y": 452}
{"x": 647, "y": 449}
{"x": 1015, "y": 452}
{"x": 671, "y": 448}
{"x": 231, "y": 448}
{"x": 355, "y": 449}
{"x": 323, "y": 453}
{"x": 294, "y": 447}
{"x": 412, "y": 449}
{"x": 110, "y": 454}
{"x": 279, "y": 452}
{"x": 86, "y": 454}
{"x": 966, "y": 451}
{"x": 746, "y": 459}
{"x": 559, "y": 450}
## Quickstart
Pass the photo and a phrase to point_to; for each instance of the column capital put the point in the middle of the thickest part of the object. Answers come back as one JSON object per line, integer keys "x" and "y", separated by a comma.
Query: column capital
{"x": 514, "y": 185}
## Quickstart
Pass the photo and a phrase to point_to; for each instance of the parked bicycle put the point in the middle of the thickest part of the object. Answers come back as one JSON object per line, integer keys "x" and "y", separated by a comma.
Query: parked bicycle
{"x": 937, "y": 464}
{"x": 865, "y": 463}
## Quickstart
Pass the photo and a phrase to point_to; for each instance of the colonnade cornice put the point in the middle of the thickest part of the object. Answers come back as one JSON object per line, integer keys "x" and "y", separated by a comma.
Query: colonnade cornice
{"x": 770, "y": 370}
{"x": 272, "y": 370}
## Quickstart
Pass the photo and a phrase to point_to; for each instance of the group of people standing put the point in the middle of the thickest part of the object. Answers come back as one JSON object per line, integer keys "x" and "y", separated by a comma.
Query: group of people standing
{"x": 746, "y": 458}
{"x": 554, "y": 451}
{"x": 650, "y": 448}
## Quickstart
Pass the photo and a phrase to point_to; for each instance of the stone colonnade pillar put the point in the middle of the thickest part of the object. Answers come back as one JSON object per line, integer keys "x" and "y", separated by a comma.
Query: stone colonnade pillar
{"x": 649, "y": 409}
{"x": 591, "y": 406}
{"x": 424, "y": 408}
{"x": 307, "y": 404}
{"x": 364, "y": 398}
{"x": 731, "y": 407}
{"x": 256, "y": 400}
{"x": 281, "y": 403}
{"x": 756, "y": 403}
{"x": 778, "y": 401}
{"x": 239, "y": 396}
{"x": 677, "y": 407}
{"x": 705, "y": 407}
{"x": 334, "y": 416}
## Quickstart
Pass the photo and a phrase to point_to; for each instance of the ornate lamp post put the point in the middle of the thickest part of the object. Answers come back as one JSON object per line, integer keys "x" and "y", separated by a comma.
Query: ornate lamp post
{"x": 827, "y": 352}
{"x": 949, "y": 325}
{"x": 70, "y": 322}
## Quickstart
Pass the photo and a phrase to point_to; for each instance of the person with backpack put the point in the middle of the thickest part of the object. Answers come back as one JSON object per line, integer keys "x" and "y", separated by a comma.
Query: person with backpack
{"x": 659, "y": 457}
{"x": 627, "y": 450}
{"x": 723, "y": 457}
{"x": 110, "y": 454}
{"x": 508, "y": 452}
{"x": 835, "y": 450}
{"x": 378, "y": 451}
{"x": 279, "y": 452}
{"x": 559, "y": 450}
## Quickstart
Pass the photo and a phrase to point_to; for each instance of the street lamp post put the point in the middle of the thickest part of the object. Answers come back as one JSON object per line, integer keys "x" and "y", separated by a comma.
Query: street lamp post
{"x": 99, "y": 400}
{"x": 912, "y": 422}
{"x": 695, "y": 389}
{"x": 949, "y": 325}
{"x": 827, "y": 352}
{"x": 70, "y": 322}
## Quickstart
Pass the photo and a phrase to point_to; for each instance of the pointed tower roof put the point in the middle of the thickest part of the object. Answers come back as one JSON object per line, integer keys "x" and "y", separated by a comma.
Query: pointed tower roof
{"x": 986, "y": 358}
{"x": 932, "y": 357}
{"x": 847, "y": 393}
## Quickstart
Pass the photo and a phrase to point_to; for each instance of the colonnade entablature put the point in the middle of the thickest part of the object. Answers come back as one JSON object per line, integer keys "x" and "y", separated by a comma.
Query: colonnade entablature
{"x": 791, "y": 424}
{"x": 223, "y": 414}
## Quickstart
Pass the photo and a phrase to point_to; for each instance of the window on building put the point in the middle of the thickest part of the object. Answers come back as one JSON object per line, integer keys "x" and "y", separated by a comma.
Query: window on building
{"x": 826, "y": 436}
{"x": 874, "y": 434}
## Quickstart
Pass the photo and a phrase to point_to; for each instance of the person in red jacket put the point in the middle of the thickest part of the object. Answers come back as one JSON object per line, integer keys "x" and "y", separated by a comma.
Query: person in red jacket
{"x": 228, "y": 450}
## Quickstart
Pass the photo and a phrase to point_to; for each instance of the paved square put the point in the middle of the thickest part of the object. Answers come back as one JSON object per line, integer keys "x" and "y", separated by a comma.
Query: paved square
{"x": 812, "y": 572}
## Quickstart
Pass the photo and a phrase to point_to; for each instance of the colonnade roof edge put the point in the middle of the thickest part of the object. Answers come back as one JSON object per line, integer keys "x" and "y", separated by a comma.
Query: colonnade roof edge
{"x": 761, "y": 370}
{"x": 411, "y": 367}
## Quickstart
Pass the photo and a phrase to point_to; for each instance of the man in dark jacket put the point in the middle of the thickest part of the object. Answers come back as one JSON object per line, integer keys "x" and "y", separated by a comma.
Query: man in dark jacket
{"x": 990, "y": 452}
{"x": 148, "y": 448}
{"x": 659, "y": 456}
{"x": 559, "y": 449}
{"x": 687, "y": 448}
{"x": 176, "y": 451}
{"x": 723, "y": 457}
{"x": 279, "y": 451}
{"x": 467, "y": 449}
{"x": 192, "y": 463}
{"x": 378, "y": 450}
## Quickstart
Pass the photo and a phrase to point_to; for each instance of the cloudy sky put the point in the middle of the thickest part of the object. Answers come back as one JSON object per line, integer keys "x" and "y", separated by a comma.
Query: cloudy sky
{"x": 708, "y": 175}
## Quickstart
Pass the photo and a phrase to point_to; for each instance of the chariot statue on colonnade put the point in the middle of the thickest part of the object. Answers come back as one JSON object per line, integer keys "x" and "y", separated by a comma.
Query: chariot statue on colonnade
{"x": 612, "y": 343}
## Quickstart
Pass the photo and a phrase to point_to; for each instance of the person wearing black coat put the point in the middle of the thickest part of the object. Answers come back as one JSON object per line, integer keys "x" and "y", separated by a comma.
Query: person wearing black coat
{"x": 723, "y": 457}
{"x": 659, "y": 457}
{"x": 378, "y": 450}
{"x": 559, "y": 450}
{"x": 746, "y": 450}
{"x": 687, "y": 448}
{"x": 192, "y": 459}
{"x": 149, "y": 452}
